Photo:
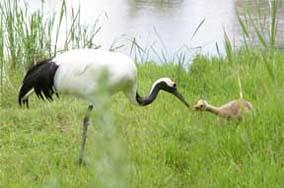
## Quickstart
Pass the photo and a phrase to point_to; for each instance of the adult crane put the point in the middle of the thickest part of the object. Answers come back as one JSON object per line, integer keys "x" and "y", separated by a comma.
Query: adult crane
{"x": 78, "y": 72}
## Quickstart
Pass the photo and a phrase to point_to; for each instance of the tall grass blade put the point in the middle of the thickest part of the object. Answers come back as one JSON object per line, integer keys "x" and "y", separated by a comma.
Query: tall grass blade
{"x": 269, "y": 66}
{"x": 111, "y": 161}
{"x": 62, "y": 13}
{"x": 240, "y": 86}
{"x": 260, "y": 36}
{"x": 218, "y": 50}
{"x": 228, "y": 48}
{"x": 244, "y": 26}
{"x": 197, "y": 29}
{"x": 275, "y": 5}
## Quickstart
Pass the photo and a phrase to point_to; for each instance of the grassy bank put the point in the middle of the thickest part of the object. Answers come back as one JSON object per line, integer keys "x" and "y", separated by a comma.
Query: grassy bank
{"x": 162, "y": 145}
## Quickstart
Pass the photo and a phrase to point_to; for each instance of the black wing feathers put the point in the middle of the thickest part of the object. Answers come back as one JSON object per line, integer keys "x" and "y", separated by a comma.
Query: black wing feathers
{"x": 39, "y": 77}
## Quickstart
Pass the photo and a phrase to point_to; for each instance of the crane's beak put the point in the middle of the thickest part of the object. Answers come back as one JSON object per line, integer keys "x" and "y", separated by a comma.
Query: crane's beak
{"x": 181, "y": 98}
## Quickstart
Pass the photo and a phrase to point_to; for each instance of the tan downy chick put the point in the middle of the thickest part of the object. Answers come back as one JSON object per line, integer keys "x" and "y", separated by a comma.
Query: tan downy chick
{"x": 232, "y": 110}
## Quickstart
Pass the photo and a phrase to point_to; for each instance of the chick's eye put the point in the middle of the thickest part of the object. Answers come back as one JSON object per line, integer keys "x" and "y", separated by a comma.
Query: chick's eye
{"x": 174, "y": 85}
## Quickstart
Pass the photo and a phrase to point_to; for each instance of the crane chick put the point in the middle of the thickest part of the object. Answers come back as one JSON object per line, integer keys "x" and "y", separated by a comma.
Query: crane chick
{"x": 233, "y": 110}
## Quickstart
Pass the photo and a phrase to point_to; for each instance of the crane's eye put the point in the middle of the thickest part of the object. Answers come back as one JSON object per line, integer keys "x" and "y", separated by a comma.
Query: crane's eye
{"x": 174, "y": 85}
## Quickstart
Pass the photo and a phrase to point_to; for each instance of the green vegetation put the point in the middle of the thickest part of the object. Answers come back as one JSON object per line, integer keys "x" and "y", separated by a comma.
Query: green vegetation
{"x": 162, "y": 145}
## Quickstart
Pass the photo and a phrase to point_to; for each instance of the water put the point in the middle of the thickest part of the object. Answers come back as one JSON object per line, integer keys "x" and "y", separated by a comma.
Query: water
{"x": 165, "y": 24}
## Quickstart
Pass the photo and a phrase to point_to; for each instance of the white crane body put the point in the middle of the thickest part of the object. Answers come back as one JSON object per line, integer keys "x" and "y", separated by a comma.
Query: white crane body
{"x": 80, "y": 71}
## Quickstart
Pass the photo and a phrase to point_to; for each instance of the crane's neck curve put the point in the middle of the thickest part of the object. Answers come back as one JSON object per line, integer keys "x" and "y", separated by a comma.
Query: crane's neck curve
{"x": 143, "y": 101}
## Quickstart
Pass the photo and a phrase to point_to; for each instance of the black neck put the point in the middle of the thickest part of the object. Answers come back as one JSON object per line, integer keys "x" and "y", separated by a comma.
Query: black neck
{"x": 143, "y": 101}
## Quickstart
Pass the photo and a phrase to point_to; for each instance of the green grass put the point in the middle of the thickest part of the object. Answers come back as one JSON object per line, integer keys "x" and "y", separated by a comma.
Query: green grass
{"x": 161, "y": 145}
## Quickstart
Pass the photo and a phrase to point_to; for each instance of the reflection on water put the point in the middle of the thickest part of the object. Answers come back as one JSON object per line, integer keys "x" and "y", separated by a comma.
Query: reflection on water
{"x": 167, "y": 24}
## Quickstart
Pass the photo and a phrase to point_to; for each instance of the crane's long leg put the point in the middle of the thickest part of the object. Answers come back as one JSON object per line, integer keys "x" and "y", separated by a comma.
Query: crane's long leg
{"x": 86, "y": 123}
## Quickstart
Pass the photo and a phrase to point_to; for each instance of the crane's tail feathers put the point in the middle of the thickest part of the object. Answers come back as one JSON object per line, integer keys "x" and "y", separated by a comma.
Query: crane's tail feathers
{"x": 39, "y": 78}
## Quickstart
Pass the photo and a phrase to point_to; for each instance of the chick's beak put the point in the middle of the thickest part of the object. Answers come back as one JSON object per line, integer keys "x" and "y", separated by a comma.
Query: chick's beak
{"x": 181, "y": 98}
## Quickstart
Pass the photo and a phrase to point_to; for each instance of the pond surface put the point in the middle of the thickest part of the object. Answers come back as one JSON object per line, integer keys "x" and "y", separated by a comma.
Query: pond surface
{"x": 164, "y": 24}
